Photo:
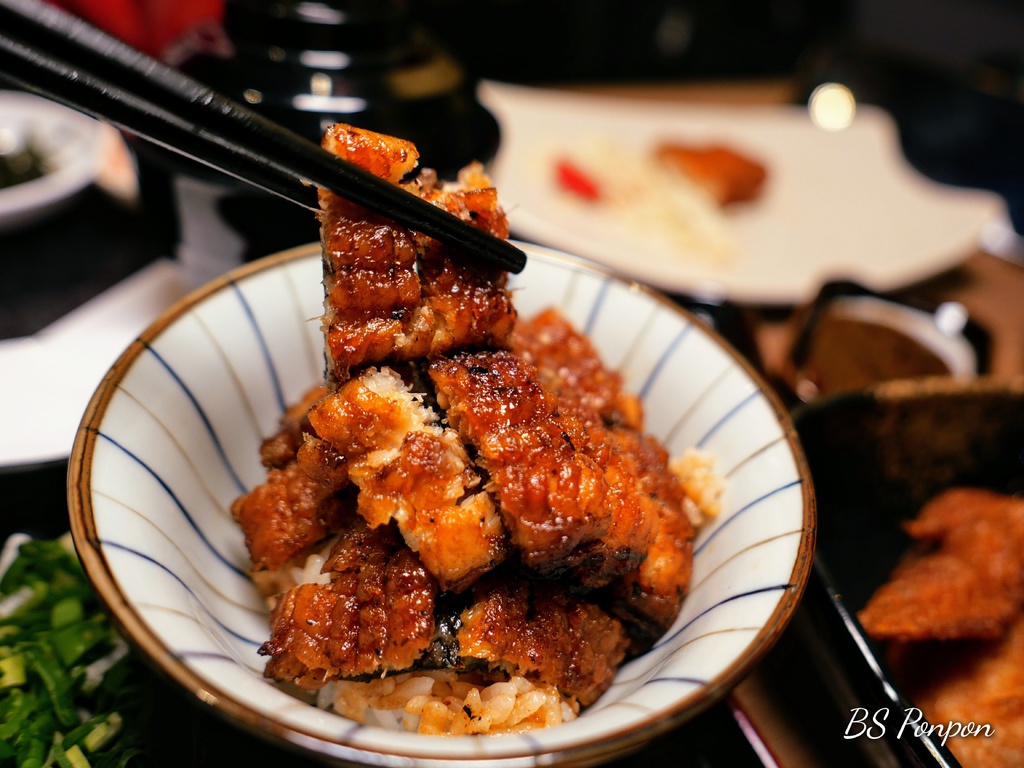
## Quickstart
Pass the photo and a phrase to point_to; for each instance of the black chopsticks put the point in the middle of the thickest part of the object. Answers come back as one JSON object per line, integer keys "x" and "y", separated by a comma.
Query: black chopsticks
{"x": 61, "y": 57}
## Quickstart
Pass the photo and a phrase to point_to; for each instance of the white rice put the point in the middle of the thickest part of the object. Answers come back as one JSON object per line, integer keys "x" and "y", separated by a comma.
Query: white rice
{"x": 696, "y": 472}
{"x": 299, "y": 571}
{"x": 447, "y": 703}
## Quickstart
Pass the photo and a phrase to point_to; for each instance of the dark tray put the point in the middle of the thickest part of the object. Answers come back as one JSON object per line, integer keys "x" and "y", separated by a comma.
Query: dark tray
{"x": 875, "y": 457}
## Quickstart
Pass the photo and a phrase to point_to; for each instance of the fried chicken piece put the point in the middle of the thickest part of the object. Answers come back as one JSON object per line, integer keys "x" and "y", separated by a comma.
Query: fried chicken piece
{"x": 958, "y": 508}
{"x": 727, "y": 175}
{"x": 279, "y": 449}
{"x": 285, "y": 516}
{"x": 970, "y": 681}
{"x": 538, "y": 630}
{"x": 965, "y": 580}
{"x": 411, "y": 470}
{"x": 568, "y": 499}
{"x": 376, "y": 615}
{"x": 377, "y": 307}
{"x": 570, "y": 367}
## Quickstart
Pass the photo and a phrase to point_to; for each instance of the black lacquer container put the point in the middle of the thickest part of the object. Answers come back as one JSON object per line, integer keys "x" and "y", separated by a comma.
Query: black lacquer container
{"x": 308, "y": 65}
{"x": 876, "y": 456}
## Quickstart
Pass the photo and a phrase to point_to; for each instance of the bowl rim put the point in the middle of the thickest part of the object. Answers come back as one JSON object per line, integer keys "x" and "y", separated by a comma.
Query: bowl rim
{"x": 31, "y": 201}
{"x": 231, "y": 708}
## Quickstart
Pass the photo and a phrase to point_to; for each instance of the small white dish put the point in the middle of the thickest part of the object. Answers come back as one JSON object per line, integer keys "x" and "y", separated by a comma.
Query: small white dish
{"x": 171, "y": 438}
{"x": 837, "y": 204}
{"x": 48, "y": 378}
{"x": 71, "y": 143}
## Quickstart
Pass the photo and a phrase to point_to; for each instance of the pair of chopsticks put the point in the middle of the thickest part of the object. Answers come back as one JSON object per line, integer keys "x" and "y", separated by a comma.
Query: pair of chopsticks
{"x": 50, "y": 52}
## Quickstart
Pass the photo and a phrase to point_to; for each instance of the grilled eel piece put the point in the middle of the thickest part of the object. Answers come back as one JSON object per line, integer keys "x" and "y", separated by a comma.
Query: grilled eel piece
{"x": 570, "y": 368}
{"x": 648, "y": 598}
{"x": 284, "y": 517}
{"x": 378, "y": 614}
{"x": 569, "y": 500}
{"x": 391, "y": 295}
{"x": 412, "y": 470}
{"x": 442, "y": 505}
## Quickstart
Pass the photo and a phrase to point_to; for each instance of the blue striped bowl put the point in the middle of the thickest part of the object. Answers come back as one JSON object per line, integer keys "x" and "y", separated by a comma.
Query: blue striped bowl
{"x": 171, "y": 438}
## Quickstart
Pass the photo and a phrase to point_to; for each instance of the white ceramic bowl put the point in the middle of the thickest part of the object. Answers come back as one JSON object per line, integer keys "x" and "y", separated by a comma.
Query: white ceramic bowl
{"x": 72, "y": 144}
{"x": 171, "y": 438}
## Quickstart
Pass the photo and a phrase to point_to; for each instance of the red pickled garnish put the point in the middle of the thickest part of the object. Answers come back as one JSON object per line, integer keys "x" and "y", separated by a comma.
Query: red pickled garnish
{"x": 572, "y": 179}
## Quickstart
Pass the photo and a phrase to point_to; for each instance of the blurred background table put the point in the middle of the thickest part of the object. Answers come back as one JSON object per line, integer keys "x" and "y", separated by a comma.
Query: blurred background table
{"x": 788, "y": 699}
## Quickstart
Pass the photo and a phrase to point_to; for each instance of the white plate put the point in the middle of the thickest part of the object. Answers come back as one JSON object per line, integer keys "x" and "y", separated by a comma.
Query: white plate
{"x": 46, "y": 380}
{"x": 72, "y": 144}
{"x": 837, "y": 204}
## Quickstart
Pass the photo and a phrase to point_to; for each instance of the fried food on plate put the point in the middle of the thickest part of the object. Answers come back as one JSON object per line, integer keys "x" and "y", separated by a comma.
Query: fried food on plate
{"x": 728, "y": 175}
{"x": 953, "y": 613}
{"x": 965, "y": 579}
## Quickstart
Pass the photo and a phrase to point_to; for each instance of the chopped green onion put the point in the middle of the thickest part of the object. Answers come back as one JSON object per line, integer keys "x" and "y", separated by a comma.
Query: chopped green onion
{"x": 72, "y": 757}
{"x": 12, "y": 671}
{"x": 72, "y": 642}
{"x": 23, "y": 598}
{"x": 56, "y": 681}
{"x": 32, "y": 754}
{"x": 61, "y": 659}
{"x": 66, "y": 611}
{"x": 18, "y": 708}
{"x": 95, "y": 672}
{"x": 103, "y": 732}
{"x": 127, "y": 756}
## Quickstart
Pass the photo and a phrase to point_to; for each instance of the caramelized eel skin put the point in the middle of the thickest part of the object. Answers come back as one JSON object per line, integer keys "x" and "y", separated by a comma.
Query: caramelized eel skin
{"x": 569, "y": 503}
{"x": 279, "y": 450}
{"x": 570, "y": 368}
{"x": 647, "y": 598}
{"x": 375, "y": 615}
{"x": 413, "y": 471}
{"x": 537, "y": 629}
{"x": 377, "y": 307}
{"x": 285, "y": 516}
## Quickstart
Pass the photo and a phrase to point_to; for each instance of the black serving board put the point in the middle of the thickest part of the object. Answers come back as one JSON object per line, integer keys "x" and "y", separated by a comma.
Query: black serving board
{"x": 875, "y": 457}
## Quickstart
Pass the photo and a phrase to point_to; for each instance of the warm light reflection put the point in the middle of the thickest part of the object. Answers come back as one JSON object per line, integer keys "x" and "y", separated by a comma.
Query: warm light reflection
{"x": 346, "y": 104}
{"x": 324, "y": 59}
{"x": 832, "y": 106}
{"x": 320, "y": 84}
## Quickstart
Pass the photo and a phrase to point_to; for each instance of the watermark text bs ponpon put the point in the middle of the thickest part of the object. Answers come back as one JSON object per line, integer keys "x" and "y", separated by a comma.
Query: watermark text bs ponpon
{"x": 873, "y": 726}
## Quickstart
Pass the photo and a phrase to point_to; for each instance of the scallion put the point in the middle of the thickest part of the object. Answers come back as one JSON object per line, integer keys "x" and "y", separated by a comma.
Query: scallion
{"x": 12, "y": 671}
{"x": 69, "y": 688}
